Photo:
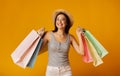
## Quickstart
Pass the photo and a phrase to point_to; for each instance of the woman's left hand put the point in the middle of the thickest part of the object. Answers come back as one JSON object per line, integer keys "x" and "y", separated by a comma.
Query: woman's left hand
{"x": 79, "y": 30}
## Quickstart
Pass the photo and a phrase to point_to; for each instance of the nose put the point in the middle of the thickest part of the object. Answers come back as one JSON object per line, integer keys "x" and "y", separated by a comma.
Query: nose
{"x": 60, "y": 21}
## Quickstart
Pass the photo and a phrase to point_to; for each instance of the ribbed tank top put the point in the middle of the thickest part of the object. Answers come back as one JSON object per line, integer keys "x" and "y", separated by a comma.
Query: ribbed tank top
{"x": 58, "y": 51}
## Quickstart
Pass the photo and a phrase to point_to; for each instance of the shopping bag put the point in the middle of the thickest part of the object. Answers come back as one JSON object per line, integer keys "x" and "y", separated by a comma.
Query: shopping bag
{"x": 22, "y": 54}
{"x": 19, "y": 55}
{"x": 98, "y": 46}
{"x": 87, "y": 56}
{"x": 35, "y": 54}
{"x": 96, "y": 58}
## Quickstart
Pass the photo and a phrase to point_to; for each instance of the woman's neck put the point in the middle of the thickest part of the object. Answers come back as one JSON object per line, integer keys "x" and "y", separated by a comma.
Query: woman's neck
{"x": 60, "y": 32}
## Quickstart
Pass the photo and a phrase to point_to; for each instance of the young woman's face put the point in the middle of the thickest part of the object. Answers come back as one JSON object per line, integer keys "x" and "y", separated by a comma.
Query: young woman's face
{"x": 61, "y": 21}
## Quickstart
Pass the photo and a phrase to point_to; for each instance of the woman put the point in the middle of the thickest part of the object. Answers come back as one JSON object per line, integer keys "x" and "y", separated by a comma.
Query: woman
{"x": 59, "y": 41}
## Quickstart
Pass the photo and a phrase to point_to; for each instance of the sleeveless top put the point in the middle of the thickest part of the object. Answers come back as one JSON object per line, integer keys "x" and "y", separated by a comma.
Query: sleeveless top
{"x": 58, "y": 51}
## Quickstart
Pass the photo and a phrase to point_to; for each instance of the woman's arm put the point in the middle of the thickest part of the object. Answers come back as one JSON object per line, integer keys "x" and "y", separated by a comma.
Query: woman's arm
{"x": 77, "y": 46}
{"x": 45, "y": 37}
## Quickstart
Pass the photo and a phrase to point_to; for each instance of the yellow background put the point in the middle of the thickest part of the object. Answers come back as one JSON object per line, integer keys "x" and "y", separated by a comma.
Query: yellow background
{"x": 19, "y": 17}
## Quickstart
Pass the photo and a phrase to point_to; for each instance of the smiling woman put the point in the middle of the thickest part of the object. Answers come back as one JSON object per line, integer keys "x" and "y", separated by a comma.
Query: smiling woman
{"x": 59, "y": 41}
{"x": 100, "y": 17}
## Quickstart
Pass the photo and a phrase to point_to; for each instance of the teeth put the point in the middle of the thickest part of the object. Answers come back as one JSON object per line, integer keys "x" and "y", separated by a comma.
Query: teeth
{"x": 60, "y": 24}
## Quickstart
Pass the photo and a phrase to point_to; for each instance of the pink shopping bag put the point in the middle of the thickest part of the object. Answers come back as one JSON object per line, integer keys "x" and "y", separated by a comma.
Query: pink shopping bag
{"x": 87, "y": 56}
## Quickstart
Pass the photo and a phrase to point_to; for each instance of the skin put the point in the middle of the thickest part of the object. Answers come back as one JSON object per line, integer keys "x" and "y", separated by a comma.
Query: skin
{"x": 60, "y": 35}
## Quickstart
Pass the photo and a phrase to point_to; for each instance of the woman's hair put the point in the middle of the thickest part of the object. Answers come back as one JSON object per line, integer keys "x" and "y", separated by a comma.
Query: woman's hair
{"x": 68, "y": 23}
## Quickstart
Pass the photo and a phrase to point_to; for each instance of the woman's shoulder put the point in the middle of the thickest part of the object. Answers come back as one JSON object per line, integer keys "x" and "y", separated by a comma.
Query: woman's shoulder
{"x": 48, "y": 33}
{"x": 71, "y": 37}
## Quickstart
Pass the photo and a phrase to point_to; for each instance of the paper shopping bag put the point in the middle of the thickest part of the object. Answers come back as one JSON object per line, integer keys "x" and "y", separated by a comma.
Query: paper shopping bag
{"x": 96, "y": 58}
{"x": 98, "y": 46}
{"x": 25, "y": 58}
{"x": 23, "y": 48}
{"x": 22, "y": 54}
{"x": 87, "y": 56}
{"x": 35, "y": 54}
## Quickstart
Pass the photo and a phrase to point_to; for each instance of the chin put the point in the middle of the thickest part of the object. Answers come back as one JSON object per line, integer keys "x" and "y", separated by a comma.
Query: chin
{"x": 60, "y": 27}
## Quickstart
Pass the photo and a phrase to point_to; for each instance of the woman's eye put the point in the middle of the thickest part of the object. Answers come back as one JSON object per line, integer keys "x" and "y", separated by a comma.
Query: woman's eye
{"x": 57, "y": 19}
{"x": 63, "y": 19}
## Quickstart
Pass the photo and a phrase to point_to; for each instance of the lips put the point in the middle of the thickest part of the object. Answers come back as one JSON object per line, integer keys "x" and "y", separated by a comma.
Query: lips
{"x": 60, "y": 24}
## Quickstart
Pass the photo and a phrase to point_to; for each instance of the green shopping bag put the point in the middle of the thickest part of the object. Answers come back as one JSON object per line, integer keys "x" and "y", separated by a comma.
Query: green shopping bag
{"x": 99, "y": 48}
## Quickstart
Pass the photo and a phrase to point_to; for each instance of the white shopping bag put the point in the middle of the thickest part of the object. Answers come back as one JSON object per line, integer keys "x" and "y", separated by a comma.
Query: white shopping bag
{"x": 23, "y": 53}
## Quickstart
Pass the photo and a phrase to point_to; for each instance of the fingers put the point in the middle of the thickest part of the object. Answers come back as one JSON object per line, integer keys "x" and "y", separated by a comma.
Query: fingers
{"x": 41, "y": 31}
{"x": 80, "y": 30}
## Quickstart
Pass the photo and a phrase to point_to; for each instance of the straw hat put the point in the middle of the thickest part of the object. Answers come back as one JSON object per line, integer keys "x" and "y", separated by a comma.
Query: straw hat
{"x": 65, "y": 12}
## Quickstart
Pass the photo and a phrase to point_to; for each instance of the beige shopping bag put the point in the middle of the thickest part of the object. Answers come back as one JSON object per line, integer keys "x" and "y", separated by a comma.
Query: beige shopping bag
{"x": 96, "y": 58}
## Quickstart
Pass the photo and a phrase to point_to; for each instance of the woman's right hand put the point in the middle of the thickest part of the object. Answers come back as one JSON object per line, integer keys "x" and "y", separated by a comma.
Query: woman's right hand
{"x": 41, "y": 31}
